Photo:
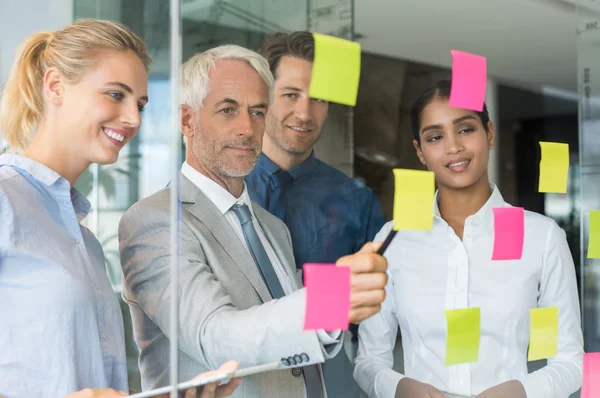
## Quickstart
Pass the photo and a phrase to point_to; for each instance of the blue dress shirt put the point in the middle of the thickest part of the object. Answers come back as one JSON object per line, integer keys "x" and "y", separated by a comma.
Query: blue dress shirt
{"x": 62, "y": 328}
{"x": 329, "y": 214}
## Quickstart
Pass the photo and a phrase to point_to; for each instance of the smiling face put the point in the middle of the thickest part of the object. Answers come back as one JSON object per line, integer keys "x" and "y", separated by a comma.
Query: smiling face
{"x": 294, "y": 120}
{"x": 454, "y": 144}
{"x": 100, "y": 113}
{"x": 224, "y": 137}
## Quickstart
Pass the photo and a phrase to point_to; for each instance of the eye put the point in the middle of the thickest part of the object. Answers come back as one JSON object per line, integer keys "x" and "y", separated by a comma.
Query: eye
{"x": 141, "y": 107}
{"x": 318, "y": 101}
{"x": 467, "y": 130}
{"x": 226, "y": 111}
{"x": 116, "y": 95}
{"x": 258, "y": 113}
{"x": 434, "y": 138}
{"x": 290, "y": 95}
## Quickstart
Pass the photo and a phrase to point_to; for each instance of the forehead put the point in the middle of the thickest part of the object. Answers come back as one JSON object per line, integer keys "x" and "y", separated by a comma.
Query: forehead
{"x": 293, "y": 70}
{"x": 238, "y": 80}
{"x": 120, "y": 66}
{"x": 439, "y": 111}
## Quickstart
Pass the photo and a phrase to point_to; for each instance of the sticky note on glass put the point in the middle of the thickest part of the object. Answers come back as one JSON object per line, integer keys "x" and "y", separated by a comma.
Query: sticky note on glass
{"x": 509, "y": 229}
{"x": 554, "y": 167}
{"x": 336, "y": 70}
{"x": 469, "y": 81}
{"x": 543, "y": 333}
{"x": 327, "y": 297}
{"x": 413, "y": 199}
{"x": 591, "y": 375}
{"x": 464, "y": 331}
{"x": 594, "y": 242}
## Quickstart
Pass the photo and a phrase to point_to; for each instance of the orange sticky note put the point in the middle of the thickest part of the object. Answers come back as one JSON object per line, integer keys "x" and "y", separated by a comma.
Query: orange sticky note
{"x": 594, "y": 241}
{"x": 469, "y": 81}
{"x": 413, "y": 199}
{"x": 336, "y": 70}
{"x": 554, "y": 167}
{"x": 543, "y": 333}
{"x": 327, "y": 297}
{"x": 464, "y": 332}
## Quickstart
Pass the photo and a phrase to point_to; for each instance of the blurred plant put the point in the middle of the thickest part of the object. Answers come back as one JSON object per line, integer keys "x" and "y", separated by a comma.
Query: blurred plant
{"x": 107, "y": 175}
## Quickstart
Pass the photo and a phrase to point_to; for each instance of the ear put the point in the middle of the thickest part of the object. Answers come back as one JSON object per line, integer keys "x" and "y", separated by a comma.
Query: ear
{"x": 490, "y": 135}
{"x": 187, "y": 121}
{"x": 53, "y": 87}
{"x": 419, "y": 152}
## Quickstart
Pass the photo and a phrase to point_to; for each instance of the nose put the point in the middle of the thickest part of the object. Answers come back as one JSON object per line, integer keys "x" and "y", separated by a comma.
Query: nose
{"x": 131, "y": 115}
{"x": 302, "y": 110}
{"x": 243, "y": 124}
{"x": 453, "y": 144}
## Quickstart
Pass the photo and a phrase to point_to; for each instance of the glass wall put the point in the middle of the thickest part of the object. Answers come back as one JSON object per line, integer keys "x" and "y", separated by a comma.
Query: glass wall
{"x": 588, "y": 73}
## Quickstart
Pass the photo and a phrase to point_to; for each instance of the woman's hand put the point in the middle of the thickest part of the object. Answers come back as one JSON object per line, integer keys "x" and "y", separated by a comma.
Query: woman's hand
{"x": 508, "y": 389}
{"x": 97, "y": 393}
{"x": 411, "y": 388}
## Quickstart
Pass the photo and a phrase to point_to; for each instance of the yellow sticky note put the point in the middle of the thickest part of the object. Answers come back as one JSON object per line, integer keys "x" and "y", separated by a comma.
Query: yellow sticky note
{"x": 594, "y": 242}
{"x": 336, "y": 70}
{"x": 554, "y": 167}
{"x": 464, "y": 331}
{"x": 413, "y": 199}
{"x": 543, "y": 333}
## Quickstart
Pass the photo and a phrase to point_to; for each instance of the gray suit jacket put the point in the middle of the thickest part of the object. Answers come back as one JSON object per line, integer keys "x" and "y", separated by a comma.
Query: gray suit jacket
{"x": 225, "y": 309}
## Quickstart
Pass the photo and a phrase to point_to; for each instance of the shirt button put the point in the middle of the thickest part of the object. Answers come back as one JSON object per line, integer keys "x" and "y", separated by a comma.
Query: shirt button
{"x": 103, "y": 336}
{"x": 76, "y": 241}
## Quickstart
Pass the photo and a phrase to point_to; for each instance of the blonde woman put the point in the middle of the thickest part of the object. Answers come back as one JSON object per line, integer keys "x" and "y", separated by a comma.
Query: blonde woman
{"x": 74, "y": 97}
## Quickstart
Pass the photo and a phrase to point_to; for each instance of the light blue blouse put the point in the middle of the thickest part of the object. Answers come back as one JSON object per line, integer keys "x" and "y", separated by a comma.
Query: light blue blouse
{"x": 61, "y": 328}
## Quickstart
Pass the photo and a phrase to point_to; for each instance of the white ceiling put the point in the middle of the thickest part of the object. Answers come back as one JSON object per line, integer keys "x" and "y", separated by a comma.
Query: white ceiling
{"x": 530, "y": 43}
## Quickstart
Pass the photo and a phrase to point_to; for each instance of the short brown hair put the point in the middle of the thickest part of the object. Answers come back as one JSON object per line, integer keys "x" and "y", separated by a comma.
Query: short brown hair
{"x": 298, "y": 44}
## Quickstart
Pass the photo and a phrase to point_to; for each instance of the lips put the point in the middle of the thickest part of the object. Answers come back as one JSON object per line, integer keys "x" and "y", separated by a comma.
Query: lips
{"x": 117, "y": 137}
{"x": 300, "y": 129}
{"x": 458, "y": 165}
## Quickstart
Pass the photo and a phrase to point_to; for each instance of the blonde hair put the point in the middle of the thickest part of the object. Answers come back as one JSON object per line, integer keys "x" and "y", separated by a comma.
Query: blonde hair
{"x": 73, "y": 51}
{"x": 193, "y": 87}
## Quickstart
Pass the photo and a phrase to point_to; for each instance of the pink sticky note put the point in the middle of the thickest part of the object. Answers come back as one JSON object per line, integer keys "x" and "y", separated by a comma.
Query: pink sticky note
{"x": 327, "y": 297}
{"x": 509, "y": 228}
{"x": 591, "y": 375}
{"x": 469, "y": 81}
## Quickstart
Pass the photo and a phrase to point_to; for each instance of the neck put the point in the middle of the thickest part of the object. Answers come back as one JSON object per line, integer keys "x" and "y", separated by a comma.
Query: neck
{"x": 233, "y": 185}
{"x": 47, "y": 150}
{"x": 457, "y": 204}
{"x": 283, "y": 159}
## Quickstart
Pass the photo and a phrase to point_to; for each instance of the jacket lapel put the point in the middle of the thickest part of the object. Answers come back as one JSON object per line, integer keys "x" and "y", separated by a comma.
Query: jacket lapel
{"x": 208, "y": 214}
{"x": 277, "y": 236}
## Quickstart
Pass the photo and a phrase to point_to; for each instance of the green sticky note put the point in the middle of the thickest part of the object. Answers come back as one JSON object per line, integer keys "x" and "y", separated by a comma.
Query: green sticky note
{"x": 543, "y": 333}
{"x": 336, "y": 70}
{"x": 594, "y": 242}
{"x": 464, "y": 331}
{"x": 554, "y": 167}
{"x": 413, "y": 199}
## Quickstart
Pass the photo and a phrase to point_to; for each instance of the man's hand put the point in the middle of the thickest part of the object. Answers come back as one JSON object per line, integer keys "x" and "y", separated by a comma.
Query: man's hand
{"x": 411, "y": 388}
{"x": 97, "y": 393}
{"x": 508, "y": 389}
{"x": 367, "y": 281}
{"x": 214, "y": 390}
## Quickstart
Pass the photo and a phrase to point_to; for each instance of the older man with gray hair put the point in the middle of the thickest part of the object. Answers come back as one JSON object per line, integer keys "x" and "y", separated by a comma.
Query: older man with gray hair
{"x": 240, "y": 296}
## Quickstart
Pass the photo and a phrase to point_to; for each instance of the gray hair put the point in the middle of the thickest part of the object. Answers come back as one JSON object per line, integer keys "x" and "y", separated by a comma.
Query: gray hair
{"x": 194, "y": 83}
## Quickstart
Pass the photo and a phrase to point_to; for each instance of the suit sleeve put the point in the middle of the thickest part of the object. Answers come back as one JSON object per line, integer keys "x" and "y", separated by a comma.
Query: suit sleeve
{"x": 212, "y": 330}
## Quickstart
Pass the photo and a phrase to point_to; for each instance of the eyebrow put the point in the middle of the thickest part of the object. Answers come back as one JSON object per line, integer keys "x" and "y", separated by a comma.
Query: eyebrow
{"x": 455, "y": 121}
{"x": 262, "y": 105}
{"x": 292, "y": 88}
{"x": 127, "y": 88}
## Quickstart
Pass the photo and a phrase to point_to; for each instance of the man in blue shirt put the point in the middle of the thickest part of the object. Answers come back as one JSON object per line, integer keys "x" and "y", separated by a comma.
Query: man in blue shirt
{"x": 328, "y": 213}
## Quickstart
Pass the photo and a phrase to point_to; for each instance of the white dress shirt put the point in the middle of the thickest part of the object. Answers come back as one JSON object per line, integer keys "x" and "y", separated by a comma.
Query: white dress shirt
{"x": 224, "y": 201}
{"x": 433, "y": 271}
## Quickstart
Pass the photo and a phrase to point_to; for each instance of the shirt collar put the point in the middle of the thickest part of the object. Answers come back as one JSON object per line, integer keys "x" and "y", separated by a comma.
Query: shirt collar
{"x": 48, "y": 177}
{"x": 268, "y": 168}
{"x": 485, "y": 214}
{"x": 220, "y": 197}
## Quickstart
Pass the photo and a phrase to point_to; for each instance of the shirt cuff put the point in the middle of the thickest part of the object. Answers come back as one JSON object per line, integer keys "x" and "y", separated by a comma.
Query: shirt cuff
{"x": 327, "y": 338}
{"x": 386, "y": 383}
